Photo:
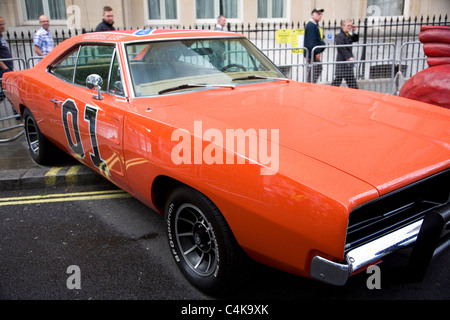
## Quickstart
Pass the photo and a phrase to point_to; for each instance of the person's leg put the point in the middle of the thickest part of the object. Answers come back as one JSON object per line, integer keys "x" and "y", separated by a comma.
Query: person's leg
{"x": 350, "y": 77}
{"x": 317, "y": 72}
{"x": 308, "y": 76}
{"x": 338, "y": 77}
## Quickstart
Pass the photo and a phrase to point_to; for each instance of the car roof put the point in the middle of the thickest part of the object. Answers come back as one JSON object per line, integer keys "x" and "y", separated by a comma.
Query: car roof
{"x": 152, "y": 34}
{"x": 128, "y": 36}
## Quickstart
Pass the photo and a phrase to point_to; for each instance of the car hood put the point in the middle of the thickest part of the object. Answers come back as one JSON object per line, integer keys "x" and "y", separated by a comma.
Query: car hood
{"x": 383, "y": 140}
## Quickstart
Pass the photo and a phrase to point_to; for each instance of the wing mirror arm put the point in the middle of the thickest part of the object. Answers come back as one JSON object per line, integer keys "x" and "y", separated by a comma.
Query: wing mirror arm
{"x": 94, "y": 81}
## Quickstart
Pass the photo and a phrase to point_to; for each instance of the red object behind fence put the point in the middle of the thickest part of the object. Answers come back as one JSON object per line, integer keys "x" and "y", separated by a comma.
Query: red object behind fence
{"x": 432, "y": 85}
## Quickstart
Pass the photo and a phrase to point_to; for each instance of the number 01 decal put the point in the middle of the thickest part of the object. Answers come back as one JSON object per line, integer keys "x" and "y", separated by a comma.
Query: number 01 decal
{"x": 90, "y": 115}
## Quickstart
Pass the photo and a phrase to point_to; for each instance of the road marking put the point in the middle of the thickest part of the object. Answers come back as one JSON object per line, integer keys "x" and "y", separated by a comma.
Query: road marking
{"x": 63, "y": 197}
{"x": 71, "y": 175}
{"x": 50, "y": 176}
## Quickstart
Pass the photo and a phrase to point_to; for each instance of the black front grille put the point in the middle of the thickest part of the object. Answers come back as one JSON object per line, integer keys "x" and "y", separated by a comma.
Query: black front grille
{"x": 399, "y": 208}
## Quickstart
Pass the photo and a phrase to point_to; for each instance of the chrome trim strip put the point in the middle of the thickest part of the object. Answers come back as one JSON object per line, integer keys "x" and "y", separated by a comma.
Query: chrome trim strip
{"x": 329, "y": 272}
{"x": 377, "y": 249}
{"x": 435, "y": 226}
{"x": 338, "y": 273}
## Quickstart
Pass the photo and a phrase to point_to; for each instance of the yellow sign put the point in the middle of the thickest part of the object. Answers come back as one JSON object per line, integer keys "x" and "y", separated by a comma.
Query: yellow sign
{"x": 283, "y": 36}
{"x": 298, "y": 38}
{"x": 295, "y": 37}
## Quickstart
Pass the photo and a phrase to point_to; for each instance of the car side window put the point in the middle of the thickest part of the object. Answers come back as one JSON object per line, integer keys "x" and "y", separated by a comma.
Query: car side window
{"x": 65, "y": 68}
{"x": 94, "y": 59}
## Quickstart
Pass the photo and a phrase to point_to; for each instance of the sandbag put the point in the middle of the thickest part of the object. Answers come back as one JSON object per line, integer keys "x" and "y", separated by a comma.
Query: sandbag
{"x": 437, "y": 49}
{"x": 431, "y": 85}
{"x": 435, "y": 34}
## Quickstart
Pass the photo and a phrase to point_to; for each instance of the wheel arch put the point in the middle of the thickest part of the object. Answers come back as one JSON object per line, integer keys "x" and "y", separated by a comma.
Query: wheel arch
{"x": 22, "y": 108}
{"x": 161, "y": 188}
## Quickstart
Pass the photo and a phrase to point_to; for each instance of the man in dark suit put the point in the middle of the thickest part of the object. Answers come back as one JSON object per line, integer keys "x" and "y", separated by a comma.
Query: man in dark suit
{"x": 108, "y": 20}
{"x": 344, "y": 71}
{"x": 313, "y": 39}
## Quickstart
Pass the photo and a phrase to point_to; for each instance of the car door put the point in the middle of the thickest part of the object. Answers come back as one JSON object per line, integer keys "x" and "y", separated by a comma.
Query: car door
{"x": 90, "y": 121}
{"x": 40, "y": 92}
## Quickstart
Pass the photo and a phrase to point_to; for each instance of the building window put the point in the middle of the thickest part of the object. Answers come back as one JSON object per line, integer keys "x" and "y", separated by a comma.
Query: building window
{"x": 271, "y": 9}
{"x": 54, "y": 9}
{"x": 383, "y": 8}
{"x": 162, "y": 9}
{"x": 211, "y": 9}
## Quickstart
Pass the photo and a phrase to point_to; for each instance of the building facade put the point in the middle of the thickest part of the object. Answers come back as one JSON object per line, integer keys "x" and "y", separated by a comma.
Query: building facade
{"x": 22, "y": 15}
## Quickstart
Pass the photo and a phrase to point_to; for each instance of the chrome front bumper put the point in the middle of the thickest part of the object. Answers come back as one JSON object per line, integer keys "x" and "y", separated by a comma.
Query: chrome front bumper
{"x": 423, "y": 234}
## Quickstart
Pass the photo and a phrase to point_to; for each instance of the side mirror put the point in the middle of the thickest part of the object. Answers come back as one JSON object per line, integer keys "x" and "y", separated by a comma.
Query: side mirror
{"x": 94, "y": 81}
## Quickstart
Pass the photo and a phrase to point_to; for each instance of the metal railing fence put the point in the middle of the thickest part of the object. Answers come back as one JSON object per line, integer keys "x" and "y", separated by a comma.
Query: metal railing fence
{"x": 290, "y": 61}
{"x": 412, "y": 55}
{"x": 10, "y": 122}
{"x": 375, "y": 73}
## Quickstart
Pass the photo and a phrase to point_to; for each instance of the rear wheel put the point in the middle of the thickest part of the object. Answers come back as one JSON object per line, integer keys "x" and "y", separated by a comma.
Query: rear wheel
{"x": 201, "y": 241}
{"x": 38, "y": 145}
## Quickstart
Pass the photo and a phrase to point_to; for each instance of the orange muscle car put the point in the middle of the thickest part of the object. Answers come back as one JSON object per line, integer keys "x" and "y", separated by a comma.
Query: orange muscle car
{"x": 243, "y": 162}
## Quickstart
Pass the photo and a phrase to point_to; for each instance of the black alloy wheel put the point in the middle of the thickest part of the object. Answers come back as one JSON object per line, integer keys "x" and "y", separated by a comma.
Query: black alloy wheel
{"x": 201, "y": 241}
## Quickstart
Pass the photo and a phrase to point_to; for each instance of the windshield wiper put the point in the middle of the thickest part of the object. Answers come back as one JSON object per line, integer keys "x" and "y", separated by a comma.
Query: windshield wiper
{"x": 190, "y": 85}
{"x": 253, "y": 77}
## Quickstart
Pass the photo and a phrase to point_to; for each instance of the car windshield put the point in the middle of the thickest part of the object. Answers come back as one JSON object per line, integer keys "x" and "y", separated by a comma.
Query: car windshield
{"x": 171, "y": 66}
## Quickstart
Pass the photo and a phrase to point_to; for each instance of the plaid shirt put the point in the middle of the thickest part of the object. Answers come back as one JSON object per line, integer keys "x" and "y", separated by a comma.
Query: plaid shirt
{"x": 43, "y": 39}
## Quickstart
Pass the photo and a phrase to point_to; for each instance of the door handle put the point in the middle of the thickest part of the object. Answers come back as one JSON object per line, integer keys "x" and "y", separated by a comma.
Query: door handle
{"x": 56, "y": 102}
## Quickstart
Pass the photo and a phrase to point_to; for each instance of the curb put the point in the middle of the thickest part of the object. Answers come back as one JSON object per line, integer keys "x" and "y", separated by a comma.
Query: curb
{"x": 50, "y": 177}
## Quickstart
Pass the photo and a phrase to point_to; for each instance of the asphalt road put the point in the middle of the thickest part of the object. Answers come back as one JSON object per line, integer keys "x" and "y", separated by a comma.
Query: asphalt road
{"x": 119, "y": 248}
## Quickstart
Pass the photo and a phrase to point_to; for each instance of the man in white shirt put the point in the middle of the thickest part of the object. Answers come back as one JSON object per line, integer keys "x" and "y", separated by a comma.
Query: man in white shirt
{"x": 221, "y": 23}
{"x": 43, "y": 40}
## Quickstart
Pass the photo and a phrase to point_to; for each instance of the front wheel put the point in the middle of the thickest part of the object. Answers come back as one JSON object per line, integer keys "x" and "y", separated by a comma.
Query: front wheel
{"x": 201, "y": 241}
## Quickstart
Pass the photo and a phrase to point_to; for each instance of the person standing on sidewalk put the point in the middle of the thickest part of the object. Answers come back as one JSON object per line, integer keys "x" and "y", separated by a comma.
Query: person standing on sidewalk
{"x": 43, "y": 40}
{"x": 313, "y": 39}
{"x": 221, "y": 23}
{"x": 344, "y": 71}
{"x": 5, "y": 53}
{"x": 108, "y": 20}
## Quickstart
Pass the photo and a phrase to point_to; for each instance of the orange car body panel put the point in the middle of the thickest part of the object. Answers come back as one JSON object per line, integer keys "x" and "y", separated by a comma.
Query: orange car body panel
{"x": 338, "y": 149}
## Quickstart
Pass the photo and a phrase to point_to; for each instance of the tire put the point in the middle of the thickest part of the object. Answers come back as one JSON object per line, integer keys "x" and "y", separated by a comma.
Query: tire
{"x": 201, "y": 241}
{"x": 40, "y": 147}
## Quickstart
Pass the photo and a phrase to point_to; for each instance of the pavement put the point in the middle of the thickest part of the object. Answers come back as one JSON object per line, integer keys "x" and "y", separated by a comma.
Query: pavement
{"x": 18, "y": 171}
